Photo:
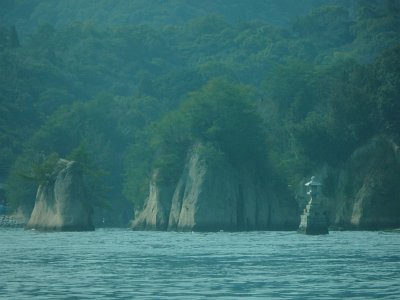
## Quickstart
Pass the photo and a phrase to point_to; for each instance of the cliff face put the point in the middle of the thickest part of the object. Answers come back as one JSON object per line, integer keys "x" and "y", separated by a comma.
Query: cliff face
{"x": 212, "y": 196}
{"x": 369, "y": 188}
{"x": 205, "y": 197}
{"x": 157, "y": 207}
{"x": 61, "y": 204}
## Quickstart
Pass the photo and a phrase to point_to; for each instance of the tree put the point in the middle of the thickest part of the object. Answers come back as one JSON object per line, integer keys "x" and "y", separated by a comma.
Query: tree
{"x": 387, "y": 73}
{"x": 220, "y": 116}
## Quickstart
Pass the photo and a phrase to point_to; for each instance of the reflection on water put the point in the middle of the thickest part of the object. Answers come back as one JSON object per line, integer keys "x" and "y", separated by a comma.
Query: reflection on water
{"x": 123, "y": 264}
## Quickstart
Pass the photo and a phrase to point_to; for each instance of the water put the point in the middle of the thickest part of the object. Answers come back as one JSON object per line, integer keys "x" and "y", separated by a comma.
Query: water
{"x": 122, "y": 264}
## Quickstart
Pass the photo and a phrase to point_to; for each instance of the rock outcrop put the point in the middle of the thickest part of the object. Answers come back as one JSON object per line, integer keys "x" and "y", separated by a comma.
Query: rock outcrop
{"x": 212, "y": 195}
{"x": 61, "y": 203}
{"x": 368, "y": 196}
{"x": 156, "y": 213}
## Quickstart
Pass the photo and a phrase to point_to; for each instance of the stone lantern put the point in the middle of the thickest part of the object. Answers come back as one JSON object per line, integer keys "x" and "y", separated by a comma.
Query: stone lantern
{"x": 314, "y": 187}
{"x": 313, "y": 219}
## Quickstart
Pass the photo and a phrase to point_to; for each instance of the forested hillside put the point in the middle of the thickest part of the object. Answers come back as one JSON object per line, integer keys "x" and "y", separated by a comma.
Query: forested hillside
{"x": 29, "y": 14}
{"x": 127, "y": 87}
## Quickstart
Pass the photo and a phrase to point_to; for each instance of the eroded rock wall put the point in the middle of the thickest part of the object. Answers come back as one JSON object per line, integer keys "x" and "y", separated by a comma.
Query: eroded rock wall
{"x": 369, "y": 188}
{"x": 205, "y": 197}
{"x": 61, "y": 202}
{"x": 212, "y": 195}
{"x": 157, "y": 207}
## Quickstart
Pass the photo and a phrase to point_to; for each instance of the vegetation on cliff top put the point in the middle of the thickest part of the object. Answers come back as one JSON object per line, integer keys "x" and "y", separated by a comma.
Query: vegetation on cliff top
{"x": 294, "y": 89}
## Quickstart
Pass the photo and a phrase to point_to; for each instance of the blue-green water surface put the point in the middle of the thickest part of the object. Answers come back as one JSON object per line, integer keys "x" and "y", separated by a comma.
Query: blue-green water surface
{"x": 123, "y": 264}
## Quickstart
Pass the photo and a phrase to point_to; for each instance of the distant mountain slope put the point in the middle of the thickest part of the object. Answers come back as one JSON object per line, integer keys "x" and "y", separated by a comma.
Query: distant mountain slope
{"x": 27, "y": 14}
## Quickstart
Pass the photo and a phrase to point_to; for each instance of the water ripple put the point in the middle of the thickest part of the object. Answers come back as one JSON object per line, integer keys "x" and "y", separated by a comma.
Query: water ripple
{"x": 123, "y": 264}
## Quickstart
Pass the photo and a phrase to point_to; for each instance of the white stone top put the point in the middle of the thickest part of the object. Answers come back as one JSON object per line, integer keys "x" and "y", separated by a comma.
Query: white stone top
{"x": 313, "y": 182}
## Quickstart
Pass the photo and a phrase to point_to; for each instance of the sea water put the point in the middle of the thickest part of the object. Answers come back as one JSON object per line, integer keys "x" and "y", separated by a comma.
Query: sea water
{"x": 124, "y": 264}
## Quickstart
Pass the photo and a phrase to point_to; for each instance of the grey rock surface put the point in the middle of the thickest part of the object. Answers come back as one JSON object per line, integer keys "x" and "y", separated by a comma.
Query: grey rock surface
{"x": 212, "y": 195}
{"x": 61, "y": 203}
{"x": 157, "y": 207}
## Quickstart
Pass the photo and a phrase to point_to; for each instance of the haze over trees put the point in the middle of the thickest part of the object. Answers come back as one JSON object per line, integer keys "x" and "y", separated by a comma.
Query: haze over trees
{"x": 125, "y": 87}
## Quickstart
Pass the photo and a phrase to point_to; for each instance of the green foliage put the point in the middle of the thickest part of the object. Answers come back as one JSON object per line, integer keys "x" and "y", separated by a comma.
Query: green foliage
{"x": 292, "y": 88}
{"x": 326, "y": 112}
{"x": 387, "y": 72}
{"x": 125, "y": 99}
{"x": 96, "y": 187}
{"x": 138, "y": 170}
{"x": 377, "y": 27}
{"x": 43, "y": 170}
{"x": 27, "y": 173}
{"x": 220, "y": 116}
{"x": 212, "y": 156}
{"x": 327, "y": 26}
{"x": 21, "y": 193}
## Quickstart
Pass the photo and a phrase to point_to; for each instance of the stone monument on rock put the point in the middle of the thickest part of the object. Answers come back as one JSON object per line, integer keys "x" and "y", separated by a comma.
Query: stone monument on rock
{"x": 313, "y": 220}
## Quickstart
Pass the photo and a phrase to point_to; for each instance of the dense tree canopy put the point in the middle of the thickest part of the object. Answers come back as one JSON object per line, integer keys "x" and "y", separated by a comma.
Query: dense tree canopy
{"x": 130, "y": 87}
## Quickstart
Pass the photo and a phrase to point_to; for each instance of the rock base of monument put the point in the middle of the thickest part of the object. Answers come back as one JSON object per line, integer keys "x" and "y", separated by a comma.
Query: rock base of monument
{"x": 313, "y": 220}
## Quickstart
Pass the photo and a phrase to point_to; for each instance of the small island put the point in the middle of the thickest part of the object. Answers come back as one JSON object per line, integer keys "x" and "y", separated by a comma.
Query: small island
{"x": 61, "y": 202}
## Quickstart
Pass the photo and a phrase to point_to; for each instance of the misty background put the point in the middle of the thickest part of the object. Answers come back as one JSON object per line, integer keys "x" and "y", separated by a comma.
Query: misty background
{"x": 127, "y": 87}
